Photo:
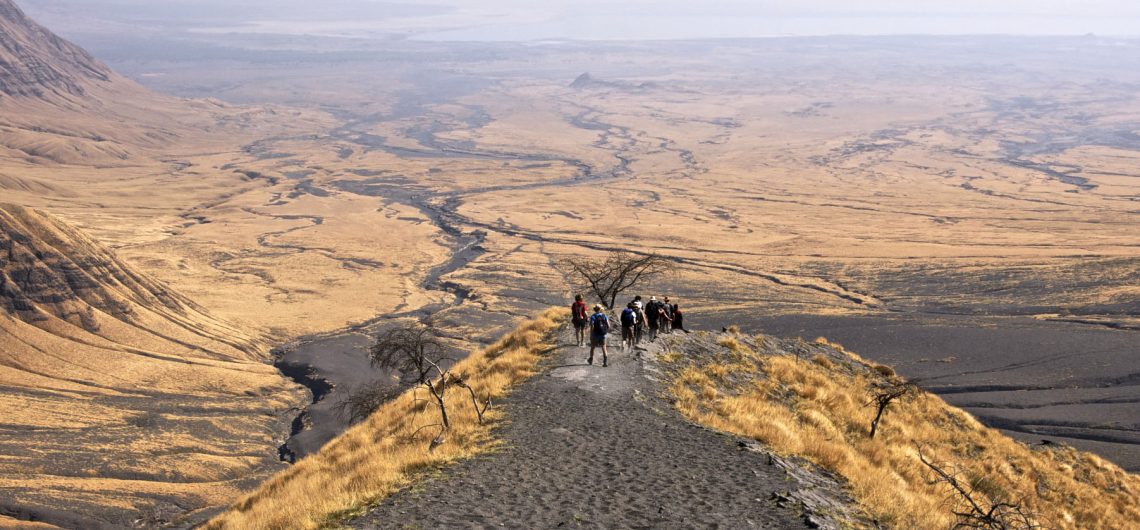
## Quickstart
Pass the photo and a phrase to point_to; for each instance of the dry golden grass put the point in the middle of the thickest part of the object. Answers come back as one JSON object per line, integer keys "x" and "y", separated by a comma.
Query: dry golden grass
{"x": 817, "y": 410}
{"x": 16, "y": 524}
{"x": 388, "y": 451}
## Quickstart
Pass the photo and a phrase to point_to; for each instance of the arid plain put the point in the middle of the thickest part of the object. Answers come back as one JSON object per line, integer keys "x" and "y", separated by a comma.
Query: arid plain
{"x": 967, "y": 209}
{"x": 964, "y": 208}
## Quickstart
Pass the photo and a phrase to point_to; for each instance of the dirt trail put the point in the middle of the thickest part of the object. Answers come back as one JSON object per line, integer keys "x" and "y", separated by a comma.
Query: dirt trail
{"x": 593, "y": 447}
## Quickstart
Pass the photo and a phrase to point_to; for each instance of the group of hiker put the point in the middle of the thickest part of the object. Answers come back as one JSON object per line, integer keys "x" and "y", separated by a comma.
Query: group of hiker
{"x": 637, "y": 320}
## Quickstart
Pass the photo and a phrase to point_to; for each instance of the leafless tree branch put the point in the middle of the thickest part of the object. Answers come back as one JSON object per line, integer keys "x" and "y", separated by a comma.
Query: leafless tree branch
{"x": 999, "y": 515}
{"x": 415, "y": 350}
{"x": 461, "y": 382}
{"x": 359, "y": 404}
{"x": 609, "y": 276}
{"x": 884, "y": 396}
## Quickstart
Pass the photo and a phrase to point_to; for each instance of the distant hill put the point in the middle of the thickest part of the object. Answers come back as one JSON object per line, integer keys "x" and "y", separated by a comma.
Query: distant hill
{"x": 122, "y": 398}
{"x": 53, "y": 276}
{"x": 587, "y": 81}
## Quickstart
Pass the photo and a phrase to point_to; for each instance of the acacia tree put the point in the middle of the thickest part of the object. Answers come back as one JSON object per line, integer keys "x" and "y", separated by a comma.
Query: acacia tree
{"x": 609, "y": 276}
{"x": 416, "y": 352}
{"x": 359, "y": 403}
{"x": 885, "y": 395}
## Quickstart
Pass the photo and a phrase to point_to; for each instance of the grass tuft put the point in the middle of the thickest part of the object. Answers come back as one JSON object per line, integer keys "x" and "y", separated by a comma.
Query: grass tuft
{"x": 823, "y": 361}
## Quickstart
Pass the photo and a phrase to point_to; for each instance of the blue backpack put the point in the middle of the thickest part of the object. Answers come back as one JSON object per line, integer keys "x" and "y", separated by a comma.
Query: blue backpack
{"x": 628, "y": 317}
{"x": 600, "y": 324}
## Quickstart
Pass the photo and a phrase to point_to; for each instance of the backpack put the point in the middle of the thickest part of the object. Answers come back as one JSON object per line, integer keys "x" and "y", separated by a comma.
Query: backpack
{"x": 578, "y": 310}
{"x": 600, "y": 324}
{"x": 628, "y": 317}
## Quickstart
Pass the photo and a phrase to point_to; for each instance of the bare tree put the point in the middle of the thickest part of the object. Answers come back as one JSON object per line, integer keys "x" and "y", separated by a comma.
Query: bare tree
{"x": 609, "y": 276}
{"x": 359, "y": 404}
{"x": 885, "y": 395}
{"x": 977, "y": 513}
{"x": 417, "y": 353}
{"x": 480, "y": 408}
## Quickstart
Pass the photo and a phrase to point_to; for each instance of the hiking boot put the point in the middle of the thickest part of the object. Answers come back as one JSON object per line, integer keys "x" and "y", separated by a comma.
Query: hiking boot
{"x": 590, "y": 361}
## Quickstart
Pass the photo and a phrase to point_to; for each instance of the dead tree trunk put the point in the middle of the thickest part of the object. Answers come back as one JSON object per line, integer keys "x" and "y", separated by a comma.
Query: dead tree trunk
{"x": 885, "y": 397}
{"x": 1000, "y": 515}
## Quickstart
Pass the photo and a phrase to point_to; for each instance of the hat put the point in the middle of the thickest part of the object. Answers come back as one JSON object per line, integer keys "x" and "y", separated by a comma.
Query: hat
{"x": 652, "y": 298}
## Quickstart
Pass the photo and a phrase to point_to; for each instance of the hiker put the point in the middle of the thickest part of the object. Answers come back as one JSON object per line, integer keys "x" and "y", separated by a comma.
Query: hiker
{"x": 662, "y": 316}
{"x": 639, "y": 326}
{"x": 678, "y": 318}
{"x": 578, "y": 315}
{"x": 628, "y": 323}
{"x": 599, "y": 328}
{"x": 651, "y": 316}
{"x": 666, "y": 318}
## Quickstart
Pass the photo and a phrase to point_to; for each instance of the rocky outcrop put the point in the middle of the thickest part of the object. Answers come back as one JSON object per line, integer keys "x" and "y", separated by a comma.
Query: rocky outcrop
{"x": 34, "y": 62}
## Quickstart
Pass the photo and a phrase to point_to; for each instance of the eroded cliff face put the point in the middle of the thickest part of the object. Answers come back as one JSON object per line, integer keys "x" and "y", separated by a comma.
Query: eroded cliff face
{"x": 51, "y": 270}
{"x": 123, "y": 400}
{"x": 35, "y": 62}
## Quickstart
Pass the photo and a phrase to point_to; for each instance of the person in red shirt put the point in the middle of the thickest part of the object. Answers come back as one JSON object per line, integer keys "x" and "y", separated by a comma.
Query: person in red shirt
{"x": 579, "y": 315}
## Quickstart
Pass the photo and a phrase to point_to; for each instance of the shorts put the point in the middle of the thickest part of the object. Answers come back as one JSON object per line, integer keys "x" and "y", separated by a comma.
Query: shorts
{"x": 597, "y": 340}
{"x": 627, "y": 333}
{"x": 579, "y": 323}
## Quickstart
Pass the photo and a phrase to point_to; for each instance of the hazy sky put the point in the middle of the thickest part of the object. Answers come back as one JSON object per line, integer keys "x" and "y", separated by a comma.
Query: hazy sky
{"x": 608, "y": 19}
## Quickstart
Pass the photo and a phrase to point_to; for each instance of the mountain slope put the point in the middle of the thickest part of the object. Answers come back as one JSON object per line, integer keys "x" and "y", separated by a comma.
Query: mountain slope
{"x": 34, "y": 62}
{"x": 123, "y": 399}
{"x": 900, "y": 462}
{"x": 60, "y": 105}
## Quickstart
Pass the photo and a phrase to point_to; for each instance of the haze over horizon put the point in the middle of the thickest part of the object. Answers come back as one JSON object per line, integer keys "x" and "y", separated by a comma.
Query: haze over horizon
{"x": 514, "y": 20}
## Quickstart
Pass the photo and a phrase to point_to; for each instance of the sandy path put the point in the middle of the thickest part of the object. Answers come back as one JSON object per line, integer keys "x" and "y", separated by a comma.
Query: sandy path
{"x": 593, "y": 447}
